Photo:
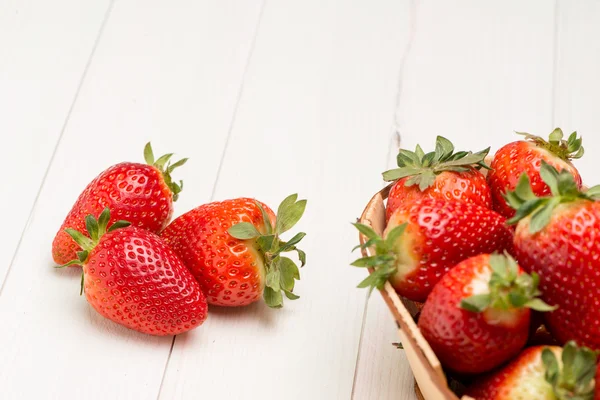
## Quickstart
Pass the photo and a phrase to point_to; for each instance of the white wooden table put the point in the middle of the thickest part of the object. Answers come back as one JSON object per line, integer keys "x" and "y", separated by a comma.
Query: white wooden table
{"x": 327, "y": 87}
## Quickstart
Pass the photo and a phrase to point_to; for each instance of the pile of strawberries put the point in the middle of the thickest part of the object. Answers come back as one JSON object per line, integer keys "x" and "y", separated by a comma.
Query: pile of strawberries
{"x": 157, "y": 277}
{"x": 505, "y": 260}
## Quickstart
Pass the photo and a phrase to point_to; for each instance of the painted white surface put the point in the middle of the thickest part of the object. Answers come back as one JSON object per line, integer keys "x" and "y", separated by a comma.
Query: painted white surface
{"x": 577, "y": 83}
{"x": 314, "y": 118}
{"x": 266, "y": 98}
{"x": 44, "y": 49}
{"x": 162, "y": 73}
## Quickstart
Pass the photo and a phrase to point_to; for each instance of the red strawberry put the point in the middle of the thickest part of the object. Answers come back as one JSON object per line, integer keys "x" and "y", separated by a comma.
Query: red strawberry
{"x": 477, "y": 317}
{"x": 234, "y": 250}
{"x": 133, "y": 278}
{"x": 537, "y": 374}
{"x": 441, "y": 174}
{"x": 426, "y": 238}
{"x": 558, "y": 238}
{"x": 142, "y": 194}
{"x": 526, "y": 156}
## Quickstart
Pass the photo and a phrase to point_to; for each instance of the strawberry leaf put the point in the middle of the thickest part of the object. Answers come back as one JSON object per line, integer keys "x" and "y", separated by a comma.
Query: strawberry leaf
{"x": 165, "y": 168}
{"x": 507, "y": 288}
{"x": 290, "y": 244}
{"x": 574, "y": 379}
{"x": 265, "y": 217}
{"x": 272, "y": 298}
{"x": 564, "y": 149}
{"x": 422, "y": 169}
{"x": 103, "y": 220}
{"x": 476, "y": 303}
{"x": 564, "y": 190}
{"x": 289, "y": 213}
{"x": 288, "y": 273}
{"x": 91, "y": 224}
{"x": 148, "y": 154}
{"x": 273, "y": 279}
{"x": 118, "y": 225}
{"x": 556, "y": 136}
{"x": 539, "y": 305}
{"x": 366, "y": 230}
{"x": 290, "y": 295}
{"x": 302, "y": 258}
{"x": 399, "y": 173}
{"x": 243, "y": 231}
{"x": 541, "y": 217}
{"x": 394, "y": 234}
{"x": 179, "y": 163}
{"x": 83, "y": 241}
{"x": 383, "y": 262}
{"x": 281, "y": 272}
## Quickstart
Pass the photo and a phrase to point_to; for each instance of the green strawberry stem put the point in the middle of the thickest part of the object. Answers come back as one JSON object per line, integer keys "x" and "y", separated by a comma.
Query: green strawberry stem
{"x": 563, "y": 188}
{"x": 383, "y": 263}
{"x": 96, "y": 228}
{"x": 565, "y": 149}
{"x": 281, "y": 272}
{"x": 508, "y": 289}
{"x": 423, "y": 168}
{"x": 166, "y": 168}
{"x": 576, "y": 379}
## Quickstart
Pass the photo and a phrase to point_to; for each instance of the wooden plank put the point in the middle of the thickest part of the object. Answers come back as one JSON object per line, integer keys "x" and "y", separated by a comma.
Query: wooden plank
{"x": 44, "y": 50}
{"x": 478, "y": 71}
{"x": 474, "y": 73}
{"x": 382, "y": 372}
{"x": 315, "y": 119}
{"x": 577, "y": 85}
{"x": 169, "y": 73}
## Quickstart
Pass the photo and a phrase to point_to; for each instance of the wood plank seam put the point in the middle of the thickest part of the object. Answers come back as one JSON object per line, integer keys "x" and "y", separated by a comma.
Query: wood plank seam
{"x": 392, "y": 148}
{"x": 238, "y": 98}
{"x": 391, "y": 151}
{"x": 223, "y": 154}
{"x": 58, "y": 141}
{"x": 412, "y": 20}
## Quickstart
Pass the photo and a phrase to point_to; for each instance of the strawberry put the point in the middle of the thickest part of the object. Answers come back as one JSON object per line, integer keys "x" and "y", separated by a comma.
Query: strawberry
{"x": 526, "y": 156}
{"x": 141, "y": 194}
{"x": 133, "y": 278}
{"x": 234, "y": 250}
{"x": 425, "y": 238}
{"x": 441, "y": 174}
{"x": 557, "y": 237}
{"x": 537, "y": 374}
{"x": 477, "y": 316}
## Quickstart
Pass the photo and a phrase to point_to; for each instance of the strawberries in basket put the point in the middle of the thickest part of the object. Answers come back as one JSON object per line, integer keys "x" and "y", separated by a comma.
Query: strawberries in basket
{"x": 483, "y": 284}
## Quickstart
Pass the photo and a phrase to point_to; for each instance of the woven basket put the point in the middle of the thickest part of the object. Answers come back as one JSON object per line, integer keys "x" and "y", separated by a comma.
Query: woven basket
{"x": 431, "y": 380}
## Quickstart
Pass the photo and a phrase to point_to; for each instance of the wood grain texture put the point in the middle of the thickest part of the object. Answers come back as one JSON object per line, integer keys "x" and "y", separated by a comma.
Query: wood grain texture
{"x": 473, "y": 72}
{"x": 478, "y": 71}
{"x": 44, "y": 48}
{"x": 312, "y": 109}
{"x": 314, "y": 118}
{"x": 170, "y": 74}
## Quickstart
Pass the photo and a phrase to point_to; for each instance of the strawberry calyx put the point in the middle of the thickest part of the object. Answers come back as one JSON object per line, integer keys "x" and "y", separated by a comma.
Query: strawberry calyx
{"x": 166, "y": 168}
{"x": 281, "y": 272}
{"x": 507, "y": 289}
{"x": 423, "y": 168}
{"x": 96, "y": 228}
{"x": 563, "y": 188}
{"x": 575, "y": 378}
{"x": 383, "y": 264}
{"x": 564, "y": 149}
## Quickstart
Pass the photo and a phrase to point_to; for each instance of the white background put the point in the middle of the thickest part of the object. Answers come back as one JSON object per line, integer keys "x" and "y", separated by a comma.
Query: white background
{"x": 267, "y": 98}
